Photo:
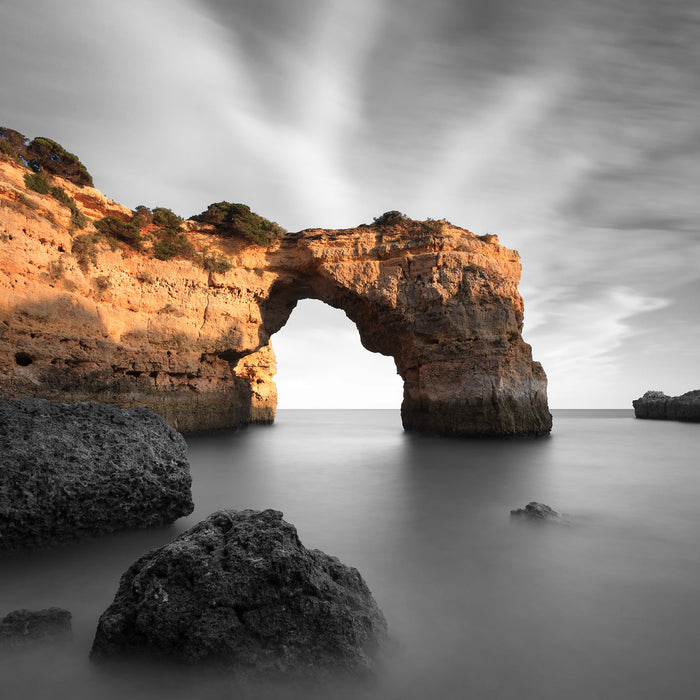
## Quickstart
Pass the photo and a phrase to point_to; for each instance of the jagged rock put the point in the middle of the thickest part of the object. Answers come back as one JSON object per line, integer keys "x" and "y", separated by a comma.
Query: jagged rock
{"x": 24, "y": 627}
{"x": 70, "y": 470}
{"x": 657, "y": 405}
{"x": 194, "y": 344}
{"x": 537, "y": 512}
{"x": 239, "y": 590}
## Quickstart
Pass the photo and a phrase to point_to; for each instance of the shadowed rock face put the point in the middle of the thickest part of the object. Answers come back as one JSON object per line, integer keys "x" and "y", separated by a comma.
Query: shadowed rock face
{"x": 657, "y": 405}
{"x": 195, "y": 345}
{"x": 239, "y": 590}
{"x": 81, "y": 469}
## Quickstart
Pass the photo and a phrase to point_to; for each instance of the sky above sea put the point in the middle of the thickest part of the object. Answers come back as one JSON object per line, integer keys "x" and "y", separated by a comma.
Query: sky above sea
{"x": 569, "y": 128}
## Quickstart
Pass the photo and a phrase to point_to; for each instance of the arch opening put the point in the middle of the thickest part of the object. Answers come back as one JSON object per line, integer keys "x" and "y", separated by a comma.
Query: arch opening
{"x": 321, "y": 363}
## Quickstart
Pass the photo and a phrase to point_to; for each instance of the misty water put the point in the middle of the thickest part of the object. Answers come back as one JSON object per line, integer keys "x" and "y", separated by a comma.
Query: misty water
{"x": 477, "y": 605}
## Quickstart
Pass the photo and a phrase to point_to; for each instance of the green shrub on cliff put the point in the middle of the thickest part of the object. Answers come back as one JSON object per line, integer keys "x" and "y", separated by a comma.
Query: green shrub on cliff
{"x": 143, "y": 216}
{"x": 84, "y": 249}
{"x": 167, "y": 219}
{"x": 12, "y": 144}
{"x": 78, "y": 219}
{"x": 238, "y": 221}
{"x": 37, "y": 182}
{"x": 391, "y": 218}
{"x": 172, "y": 245}
{"x": 124, "y": 231}
{"x": 170, "y": 241}
{"x": 432, "y": 227}
{"x": 216, "y": 262}
{"x": 45, "y": 155}
{"x": 6, "y": 148}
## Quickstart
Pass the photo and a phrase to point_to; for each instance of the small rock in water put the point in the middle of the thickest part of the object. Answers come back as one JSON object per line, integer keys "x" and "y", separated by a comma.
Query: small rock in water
{"x": 535, "y": 511}
{"x": 239, "y": 590}
{"x": 23, "y": 627}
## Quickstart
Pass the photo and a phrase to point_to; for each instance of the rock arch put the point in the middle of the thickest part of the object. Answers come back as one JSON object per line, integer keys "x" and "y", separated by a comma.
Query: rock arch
{"x": 194, "y": 345}
{"x": 445, "y": 307}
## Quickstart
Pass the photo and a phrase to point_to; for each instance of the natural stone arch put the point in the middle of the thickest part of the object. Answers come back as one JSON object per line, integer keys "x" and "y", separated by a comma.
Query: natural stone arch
{"x": 194, "y": 344}
{"x": 452, "y": 325}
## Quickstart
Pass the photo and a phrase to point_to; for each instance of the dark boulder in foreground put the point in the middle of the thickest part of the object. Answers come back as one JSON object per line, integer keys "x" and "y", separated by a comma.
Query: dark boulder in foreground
{"x": 240, "y": 591}
{"x": 537, "y": 512}
{"x": 24, "y": 627}
{"x": 659, "y": 406}
{"x": 69, "y": 470}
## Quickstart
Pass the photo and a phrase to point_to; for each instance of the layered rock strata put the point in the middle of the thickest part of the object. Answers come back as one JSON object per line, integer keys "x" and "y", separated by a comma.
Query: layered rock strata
{"x": 659, "y": 406}
{"x": 69, "y": 470}
{"x": 239, "y": 590}
{"x": 194, "y": 344}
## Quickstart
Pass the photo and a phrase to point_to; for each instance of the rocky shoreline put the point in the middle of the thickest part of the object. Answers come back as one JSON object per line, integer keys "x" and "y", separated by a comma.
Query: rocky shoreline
{"x": 238, "y": 590}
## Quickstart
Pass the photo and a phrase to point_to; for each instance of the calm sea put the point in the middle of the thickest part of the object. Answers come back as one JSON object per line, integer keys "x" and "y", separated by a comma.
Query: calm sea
{"x": 478, "y": 606}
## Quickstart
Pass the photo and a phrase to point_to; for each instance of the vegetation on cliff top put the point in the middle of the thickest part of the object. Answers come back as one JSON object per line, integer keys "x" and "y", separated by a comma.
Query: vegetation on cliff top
{"x": 43, "y": 155}
{"x": 238, "y": 221}
{"x": 126, "y": 232}
{"x": 163, "y": 229}
{"x": 40, "y": 183}
{"x": 396, "y": 219}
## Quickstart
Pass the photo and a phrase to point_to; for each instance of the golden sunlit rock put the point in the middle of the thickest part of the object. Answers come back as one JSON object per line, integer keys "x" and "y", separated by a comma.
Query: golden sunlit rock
{"x": 88, "y": 317}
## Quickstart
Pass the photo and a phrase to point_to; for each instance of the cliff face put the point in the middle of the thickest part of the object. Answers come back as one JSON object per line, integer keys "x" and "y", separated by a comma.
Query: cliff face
{"x": 193, "y": 344}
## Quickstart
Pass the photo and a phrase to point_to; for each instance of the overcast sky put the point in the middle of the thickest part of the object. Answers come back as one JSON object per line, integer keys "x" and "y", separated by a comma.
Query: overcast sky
{"x": 569, "y": 128}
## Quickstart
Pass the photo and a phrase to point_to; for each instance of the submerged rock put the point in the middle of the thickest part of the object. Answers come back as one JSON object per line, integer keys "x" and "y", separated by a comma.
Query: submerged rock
{"x": 23, "y": 627}
{"x": 240, "y": 590}
{"x": 659, "y": 406}
{"x": 534, "y": 511}
{"x": 75, "y": 469}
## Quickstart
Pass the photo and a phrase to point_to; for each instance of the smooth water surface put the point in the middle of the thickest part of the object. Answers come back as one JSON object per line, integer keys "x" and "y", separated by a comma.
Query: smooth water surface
{"x": 478, "y": 605}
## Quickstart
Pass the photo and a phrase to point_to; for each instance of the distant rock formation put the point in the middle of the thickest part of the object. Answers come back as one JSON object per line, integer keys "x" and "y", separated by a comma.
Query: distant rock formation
{"x": 240, "y": 591}
{"x": 657, "y": 405}
{"x": 99, "y": 314}
{"x": 26, "y": 627}
{"x": 536, "y": 512}
{"x": 70, "y": 470}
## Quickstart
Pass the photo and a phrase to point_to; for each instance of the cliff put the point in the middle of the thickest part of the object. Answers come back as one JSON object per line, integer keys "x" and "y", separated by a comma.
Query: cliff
{"x": 659, "y": 406}
{"x": 89, "y": 315}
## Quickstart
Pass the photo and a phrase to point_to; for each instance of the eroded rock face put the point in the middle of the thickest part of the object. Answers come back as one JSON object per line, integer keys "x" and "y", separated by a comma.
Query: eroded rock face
{"x": 239, "y": 590}
{"x": 69, "y": 470}
{"x": 659, "y": 406}
{"x": 195, "y": 344}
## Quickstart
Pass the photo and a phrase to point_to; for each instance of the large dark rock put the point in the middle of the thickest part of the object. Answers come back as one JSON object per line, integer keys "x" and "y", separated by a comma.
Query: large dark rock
{"x": 239, "y": 590}
{"x": 24, "y": 627}
{"x": 69, "y": 470}
{"x": 657, "y": 405}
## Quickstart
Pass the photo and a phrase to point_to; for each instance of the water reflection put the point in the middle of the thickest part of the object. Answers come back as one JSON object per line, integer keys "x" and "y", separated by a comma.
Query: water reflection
{"x": 477, "y": 605}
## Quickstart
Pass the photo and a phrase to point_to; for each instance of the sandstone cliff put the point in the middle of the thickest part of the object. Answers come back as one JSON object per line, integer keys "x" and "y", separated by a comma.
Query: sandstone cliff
{"x": 119, "y": 326}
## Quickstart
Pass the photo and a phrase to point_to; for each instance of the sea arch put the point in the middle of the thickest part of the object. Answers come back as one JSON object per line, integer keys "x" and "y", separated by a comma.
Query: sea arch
{"x": 444, "y": 307}
{"x": 194, "y": 345}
